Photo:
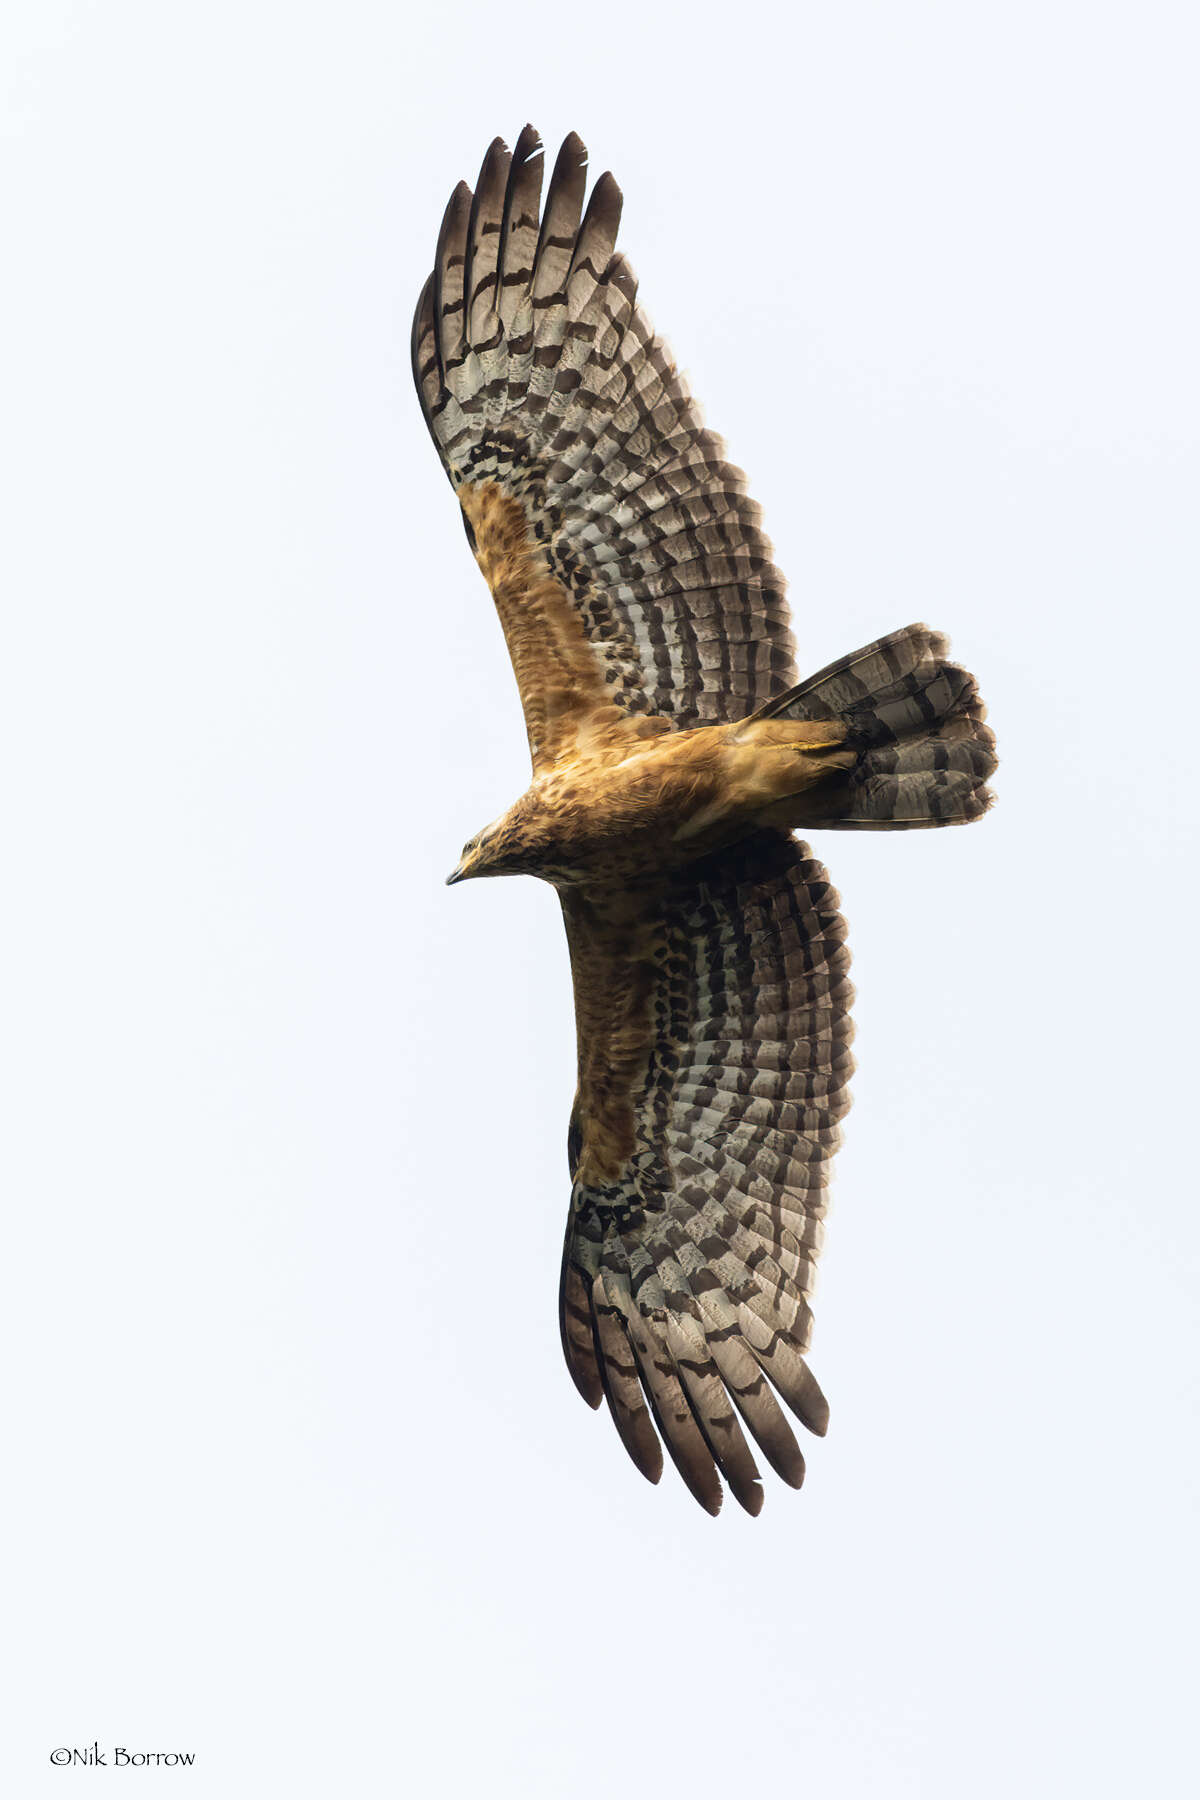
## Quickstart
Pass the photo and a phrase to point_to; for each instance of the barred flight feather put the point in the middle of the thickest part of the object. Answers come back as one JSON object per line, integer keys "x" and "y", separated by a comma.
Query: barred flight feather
{"x": 548, "y": 380}
{"x": 713, "y": 1231}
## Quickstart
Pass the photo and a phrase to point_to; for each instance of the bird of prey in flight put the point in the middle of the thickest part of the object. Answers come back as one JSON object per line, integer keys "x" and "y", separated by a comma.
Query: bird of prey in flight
{"x": 674, "y": 754}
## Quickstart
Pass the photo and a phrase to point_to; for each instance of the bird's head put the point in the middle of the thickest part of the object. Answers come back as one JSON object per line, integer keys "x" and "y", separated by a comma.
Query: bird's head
{"x": 496, "y": 850}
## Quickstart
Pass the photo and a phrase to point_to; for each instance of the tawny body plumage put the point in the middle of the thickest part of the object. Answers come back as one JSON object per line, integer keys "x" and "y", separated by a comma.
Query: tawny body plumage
{"x": 673, "y": 756}
{"x": 620, "y": 813}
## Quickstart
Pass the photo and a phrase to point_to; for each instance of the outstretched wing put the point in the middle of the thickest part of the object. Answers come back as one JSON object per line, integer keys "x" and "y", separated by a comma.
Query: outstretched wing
{"x": 626, "y": 559}
{"x": 713, "y": 1067}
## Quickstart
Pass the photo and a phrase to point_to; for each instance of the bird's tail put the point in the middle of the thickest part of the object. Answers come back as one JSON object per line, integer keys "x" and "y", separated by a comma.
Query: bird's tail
{"x": 924, "y": 754}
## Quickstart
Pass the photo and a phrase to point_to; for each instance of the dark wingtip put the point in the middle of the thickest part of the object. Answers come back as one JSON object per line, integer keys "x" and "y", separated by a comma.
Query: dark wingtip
{"x": 495, "y": 150}
{"x": 648, "y": 1457}
{"x": 794, "y": 1473}
{"x": 750, "y": 1495}
{"x": 591, "y": 1391}
{"x": 608, "y": 191}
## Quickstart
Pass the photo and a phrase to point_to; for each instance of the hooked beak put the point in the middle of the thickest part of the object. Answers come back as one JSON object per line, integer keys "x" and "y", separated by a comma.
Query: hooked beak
{"x": 458, "y": 874}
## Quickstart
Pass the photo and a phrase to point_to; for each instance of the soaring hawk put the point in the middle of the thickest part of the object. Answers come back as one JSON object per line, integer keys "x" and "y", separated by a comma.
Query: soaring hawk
{"x": 674, "y": 753}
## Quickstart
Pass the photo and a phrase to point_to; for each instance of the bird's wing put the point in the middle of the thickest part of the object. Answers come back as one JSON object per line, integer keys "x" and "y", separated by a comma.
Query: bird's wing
{"x": 713, "y": 1067}
{"x": 627, "y": 562}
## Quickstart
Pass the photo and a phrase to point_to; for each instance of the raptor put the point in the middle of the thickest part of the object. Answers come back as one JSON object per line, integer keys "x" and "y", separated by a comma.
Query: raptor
{"x": 674, "y": 756}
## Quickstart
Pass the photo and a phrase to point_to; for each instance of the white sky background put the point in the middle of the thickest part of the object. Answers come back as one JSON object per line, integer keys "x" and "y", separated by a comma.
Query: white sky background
{"x": 298, "y": 1480}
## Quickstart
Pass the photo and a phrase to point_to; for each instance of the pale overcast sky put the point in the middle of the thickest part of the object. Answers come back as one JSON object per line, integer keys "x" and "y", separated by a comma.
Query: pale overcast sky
{"x": 297, "y": 1479}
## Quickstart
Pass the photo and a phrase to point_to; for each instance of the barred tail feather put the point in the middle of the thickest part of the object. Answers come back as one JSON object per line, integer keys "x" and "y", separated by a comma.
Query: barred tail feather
{"x": 917, "y": 722}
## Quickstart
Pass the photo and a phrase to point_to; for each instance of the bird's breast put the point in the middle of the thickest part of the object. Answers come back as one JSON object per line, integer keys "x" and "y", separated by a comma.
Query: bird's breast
{"x": 620, "y": 818}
